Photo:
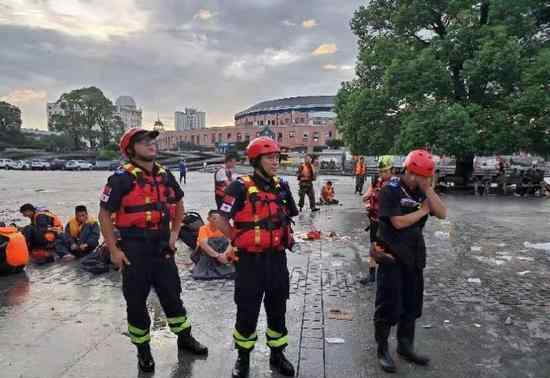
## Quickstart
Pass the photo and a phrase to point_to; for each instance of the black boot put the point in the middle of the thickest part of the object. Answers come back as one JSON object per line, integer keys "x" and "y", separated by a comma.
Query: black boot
{"x": 281, "y": 364}
{"x": 145, "y": 359}
{"x": 381, "y": 334}
{"x": 186, "y": 342}
{"x": 242, "y": 365}
{"x": 405, "y": 346}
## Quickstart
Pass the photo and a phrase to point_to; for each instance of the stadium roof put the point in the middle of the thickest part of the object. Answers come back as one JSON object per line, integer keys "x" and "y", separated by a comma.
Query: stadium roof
{"x": 305, "y": 103}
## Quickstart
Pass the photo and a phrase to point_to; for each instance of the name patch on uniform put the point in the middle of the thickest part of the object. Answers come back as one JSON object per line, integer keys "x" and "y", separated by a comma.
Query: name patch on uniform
{"x": 105, "y": 194}
{"x": 226, "y": 208}
{"x": 229, "y": 200}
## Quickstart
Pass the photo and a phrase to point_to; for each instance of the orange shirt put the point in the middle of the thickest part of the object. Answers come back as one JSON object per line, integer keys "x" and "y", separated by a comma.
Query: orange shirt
{"x": 207, "y": 232}
{"x": 327, "y": 193}
{"x": 360, "y": 169}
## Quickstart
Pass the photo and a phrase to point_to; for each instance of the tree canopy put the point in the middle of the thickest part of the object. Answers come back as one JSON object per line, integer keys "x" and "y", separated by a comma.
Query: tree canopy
{"x": 459, "y": 76}
{"x": 87, "y": 117}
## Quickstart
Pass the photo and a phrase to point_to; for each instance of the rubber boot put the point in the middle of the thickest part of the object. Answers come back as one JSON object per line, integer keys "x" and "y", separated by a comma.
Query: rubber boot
{"x": 145, "y": 359}
{"x": 186, "y": 342}
{"x": 405, "y": 343}
{"x": 372, "y": 274}
{"x": 278, "y": 361}
{"x": 242, "y": 365}
{"x": 381, "y": 334}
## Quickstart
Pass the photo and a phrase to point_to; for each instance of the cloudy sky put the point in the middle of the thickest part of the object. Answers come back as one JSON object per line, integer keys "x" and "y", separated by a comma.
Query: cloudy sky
{"x": 219, "y": 56}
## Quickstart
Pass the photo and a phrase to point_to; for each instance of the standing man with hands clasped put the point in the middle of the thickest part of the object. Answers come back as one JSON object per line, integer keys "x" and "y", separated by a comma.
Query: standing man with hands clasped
{"x": 400, "y": 250}
{"x": 146, "y": 202}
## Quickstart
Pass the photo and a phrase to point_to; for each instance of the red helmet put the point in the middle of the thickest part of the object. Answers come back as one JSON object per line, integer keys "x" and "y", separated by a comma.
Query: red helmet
{"x": 261, "y": 146}
{"x": 420, "y": 162}
{"x": 126, "y": 138}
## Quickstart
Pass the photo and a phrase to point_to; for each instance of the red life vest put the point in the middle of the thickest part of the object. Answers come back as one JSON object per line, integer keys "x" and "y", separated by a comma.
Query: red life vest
{"x": 374, "y": 198}
{"x": 219, "y": 186}
{"x": 262, "y": 224}
{"x": 17, "y": 254}
{"x": 150, "y": 202}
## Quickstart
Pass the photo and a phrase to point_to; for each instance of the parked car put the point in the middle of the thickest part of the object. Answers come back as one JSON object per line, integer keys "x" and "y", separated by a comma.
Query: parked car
{"x": 15, "y": 164}
{"x": 39, "y": 164}
{"x": 5, "y": 163}
{"x": 78, "y": 165}
{"x": 57, "y": 164}
{"x": 25, "y": 164}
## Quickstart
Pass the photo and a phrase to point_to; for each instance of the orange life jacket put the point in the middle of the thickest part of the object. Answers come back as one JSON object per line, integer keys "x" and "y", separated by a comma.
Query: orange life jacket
{"x": 327, "y": 193}
{"x": 75, "y": 228}
{"x": 306, "y": 172}
{"x": 150, "y": 202}
{"x": 17, "y": 253}
{"x": 262, "y": 224}
{"x": 56, "y": 225}
{"x": 360, "y": 169}
{"x": 219, "y": 186}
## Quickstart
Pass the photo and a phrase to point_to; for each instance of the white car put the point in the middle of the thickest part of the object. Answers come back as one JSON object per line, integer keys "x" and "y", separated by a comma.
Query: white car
{"x": 15, "y": 164}
{"x": 78, "y": 165}
{"x": 38, "y": 164}
{"x": 6, "y": 163}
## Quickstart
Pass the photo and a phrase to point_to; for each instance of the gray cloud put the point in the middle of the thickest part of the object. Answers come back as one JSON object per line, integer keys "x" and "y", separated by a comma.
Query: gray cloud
{"x": 231, "y": 56}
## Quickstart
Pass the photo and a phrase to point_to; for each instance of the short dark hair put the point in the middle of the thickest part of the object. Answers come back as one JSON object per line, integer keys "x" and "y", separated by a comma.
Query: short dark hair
{"x": 27, "y": 207}
{"x": 80, "y": 209}
{"x": 213, "y": 212}
{"x": 329, "y": 182}
{"x": 230, "y": 156}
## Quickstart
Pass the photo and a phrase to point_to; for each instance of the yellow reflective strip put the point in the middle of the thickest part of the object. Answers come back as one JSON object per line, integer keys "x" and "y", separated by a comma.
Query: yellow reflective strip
{"x": 238, "y": 336}
{"x": 140, "y": 340}
{"x": 137, "y": 331}
{"x": 278, "y": 343}
{"x": 180, "y": 328}
{"x": 273, "y": 334}
{"x": 177, "y": 319}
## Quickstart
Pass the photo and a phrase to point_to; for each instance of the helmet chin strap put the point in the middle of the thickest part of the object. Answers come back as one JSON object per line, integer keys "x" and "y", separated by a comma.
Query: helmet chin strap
{"x": 258, "y": 166}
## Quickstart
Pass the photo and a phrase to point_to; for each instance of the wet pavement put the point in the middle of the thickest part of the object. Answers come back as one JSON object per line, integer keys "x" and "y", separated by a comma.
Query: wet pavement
{"x": 486, "y": 313}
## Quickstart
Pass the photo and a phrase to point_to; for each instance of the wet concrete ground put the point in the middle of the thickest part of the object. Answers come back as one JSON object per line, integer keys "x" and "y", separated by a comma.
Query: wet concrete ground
{"x": 56, "y": 321}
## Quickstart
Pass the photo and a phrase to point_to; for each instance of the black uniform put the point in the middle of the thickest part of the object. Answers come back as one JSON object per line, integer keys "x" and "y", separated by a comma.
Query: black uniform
{"x": 260, "y": 276}
{"x": 146, "y": 249}
{"x": 400, "y": 288}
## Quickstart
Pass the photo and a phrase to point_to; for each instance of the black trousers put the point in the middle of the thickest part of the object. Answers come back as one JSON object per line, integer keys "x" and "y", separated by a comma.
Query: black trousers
{"x": 261, "y": 278}
{"x": 306, "y": 188}
{"x": 151, "y": 269}
{"x": 219, "y": 201}
{"x": 359, "y": 182}
{"x": 399, "y": 294}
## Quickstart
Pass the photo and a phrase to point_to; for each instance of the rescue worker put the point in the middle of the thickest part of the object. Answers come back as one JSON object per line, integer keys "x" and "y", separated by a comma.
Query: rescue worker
{"x": 223, "y": 177}
{"x": 405, "y": 203}
{"x": 183, "y": 171}
{"x": 306, "y": 177}
{"x": 371, "y": 198}
{"x": 327, "y": 194}
{"x": 43, "y": 234}
{"x": 146, "y": 201}
{"x": 360, "y": 173}
{"x": 261, "y": 207}
{"x": 81, "y": 233}
{"x": 14, "y": 254}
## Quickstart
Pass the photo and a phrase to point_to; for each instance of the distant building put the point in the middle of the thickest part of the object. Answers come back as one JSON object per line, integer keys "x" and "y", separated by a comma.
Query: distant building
{"x": 126, "y": 109}
{"x": 190, "y": 119}
{"x": 297, "y": 123}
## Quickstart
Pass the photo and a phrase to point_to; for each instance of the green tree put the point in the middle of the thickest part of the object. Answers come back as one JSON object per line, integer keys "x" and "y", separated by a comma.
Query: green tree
{"x": 10, "y": 125}
{"x": 87, "y": 116}
{"x": 459, "y": 76}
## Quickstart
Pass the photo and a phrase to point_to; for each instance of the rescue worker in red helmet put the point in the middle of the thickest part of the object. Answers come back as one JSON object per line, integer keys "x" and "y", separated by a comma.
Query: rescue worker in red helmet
{"x": 405, "y": 203}
{"x": 146, "y": 202}
{"x": 261, "y": 207}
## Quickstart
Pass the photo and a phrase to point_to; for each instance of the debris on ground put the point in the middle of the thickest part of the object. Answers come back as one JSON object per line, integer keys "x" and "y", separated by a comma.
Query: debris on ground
{"x": 541, "y": 246}
{"x": 447, "y": 321}
{"x": 474, "y": 280}
{"x": 339, "y": 314}
{"x": 523, "y": 273}
{"x": 312, "y": 235}
{"x": 427, "y": 326}
{"x": 477, "y": 325}
{"x": 509, "y": 321}
{"x": 442, "y": 235}
{"x": 475, "y": 248}
{"x": 335, "y": 340}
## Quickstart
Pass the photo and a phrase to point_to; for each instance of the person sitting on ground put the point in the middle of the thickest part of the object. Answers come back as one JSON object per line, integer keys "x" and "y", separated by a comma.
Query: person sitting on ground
{"x": 213, "y": 247}
{"x": 43, "y": 233}
{"x": 14, "y": 254}
{"x": 327, "y": 194}
{"x": 81, "y": 233}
